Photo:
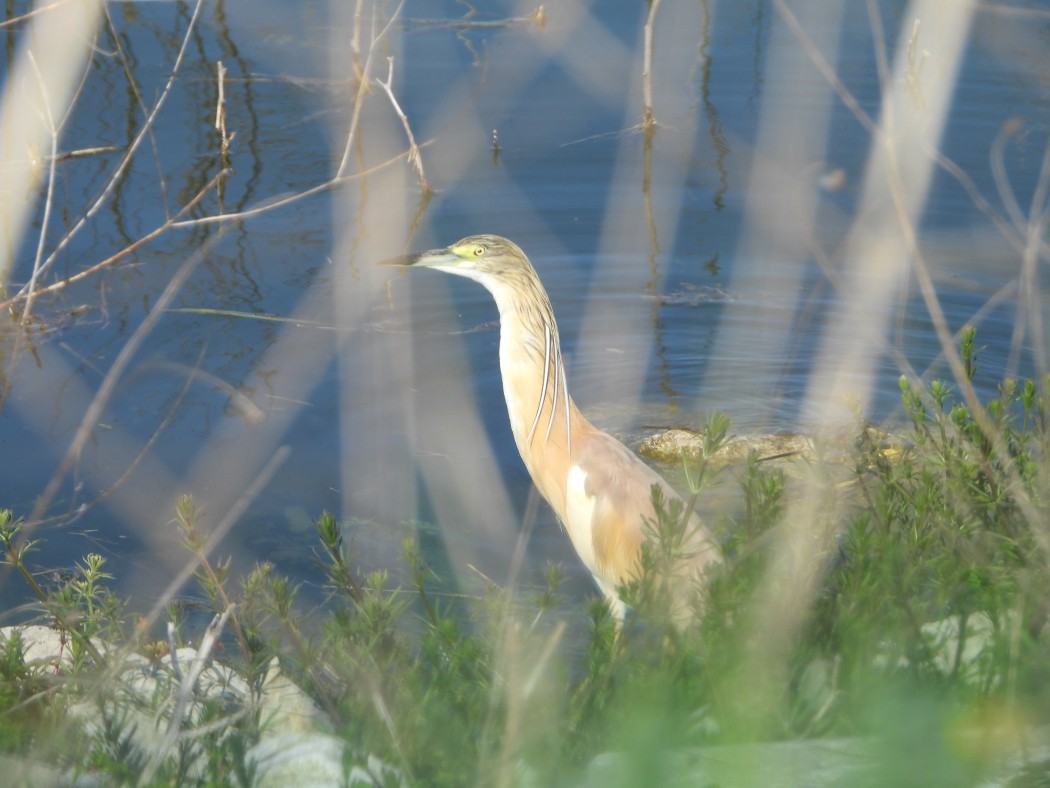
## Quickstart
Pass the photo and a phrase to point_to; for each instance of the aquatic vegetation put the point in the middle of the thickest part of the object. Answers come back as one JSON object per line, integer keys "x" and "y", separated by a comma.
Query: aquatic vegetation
{"x": 930, "y": 607}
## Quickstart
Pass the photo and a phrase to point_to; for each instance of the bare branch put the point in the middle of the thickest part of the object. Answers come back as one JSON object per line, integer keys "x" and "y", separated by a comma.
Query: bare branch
{"x": 49, "y": 196}
{"x": 109, "y": 383}
{"x": 220, "y": 115}
{"x": 414, "y": 157}
{"x": 280, "y": 202}
{"x": 30, "y": 14}
{"x": 122, "y": 253}
{"x": 648, "y": 121}
{"x": 362, "y": 89}
{"x": 130, "y": 152}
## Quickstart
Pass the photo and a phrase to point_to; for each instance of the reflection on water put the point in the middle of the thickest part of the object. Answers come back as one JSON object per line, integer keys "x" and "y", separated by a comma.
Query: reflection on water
{"x": 681, "y": 282}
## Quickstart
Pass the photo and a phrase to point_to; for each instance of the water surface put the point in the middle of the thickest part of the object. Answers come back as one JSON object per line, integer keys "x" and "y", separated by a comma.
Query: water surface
{"x": 677, "y": 290}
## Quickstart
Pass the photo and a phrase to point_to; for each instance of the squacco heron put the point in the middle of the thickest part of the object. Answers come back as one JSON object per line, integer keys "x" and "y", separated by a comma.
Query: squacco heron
{"x": 598, "y": 488}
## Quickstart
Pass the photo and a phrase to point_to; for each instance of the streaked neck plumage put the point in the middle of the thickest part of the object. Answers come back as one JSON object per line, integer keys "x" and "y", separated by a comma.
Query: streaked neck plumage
{"x": 532, "y": 366}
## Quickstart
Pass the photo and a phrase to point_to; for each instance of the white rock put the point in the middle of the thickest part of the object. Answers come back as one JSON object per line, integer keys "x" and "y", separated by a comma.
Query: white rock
{"x": 312, "y": 761}
{"x": 284, "y": 707}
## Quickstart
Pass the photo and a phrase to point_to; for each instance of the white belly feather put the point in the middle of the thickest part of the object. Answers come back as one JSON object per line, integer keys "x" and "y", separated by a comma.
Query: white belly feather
{"x": 579, "y": 513}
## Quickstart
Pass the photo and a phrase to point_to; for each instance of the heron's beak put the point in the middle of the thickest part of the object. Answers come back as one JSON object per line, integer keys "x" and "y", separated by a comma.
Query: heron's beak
{"x": 435, "y": 258}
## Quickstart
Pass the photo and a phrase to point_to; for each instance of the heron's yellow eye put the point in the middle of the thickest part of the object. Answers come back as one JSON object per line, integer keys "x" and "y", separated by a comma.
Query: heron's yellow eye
{"x": 479, "y": 250}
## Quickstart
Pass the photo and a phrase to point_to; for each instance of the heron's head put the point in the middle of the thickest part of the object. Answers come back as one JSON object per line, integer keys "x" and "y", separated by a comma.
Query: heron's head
{"x": 489, "y": 259}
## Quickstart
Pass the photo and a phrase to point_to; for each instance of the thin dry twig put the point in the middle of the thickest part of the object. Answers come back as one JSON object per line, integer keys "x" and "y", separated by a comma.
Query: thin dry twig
{"x": 129, "y": 75}
{"x": 362, "y": 88}
{"x": 648, "y": 120}
{"x": 194, "y": 373}
{"x": 49, "y": 194}
{"x": 1002, "y": 180}
{"x": 339, "y": 178}
{"x": 1011, "y": 233}
{"x": 292, "y": 198}
{"x": 169, "y": 223}
{"x": 827, "y": 70}
{"x": 882, "y": 61}
{"x": 109, "y": 382}
{"x": 15, "y": 20}
{"x": 414, "y": 157}
{"x": 355, "y": 42}
{"x": 129, "y": 153}
{"x": 175, "y": 221}
{"x": 220, "y": 126}
{"x": 466, "y": 22}
{"x": 220, "y": 103}
{"x": 220, "y": 115}
{"x": 81, "y": 153}
{"x": 1029, "y": 308}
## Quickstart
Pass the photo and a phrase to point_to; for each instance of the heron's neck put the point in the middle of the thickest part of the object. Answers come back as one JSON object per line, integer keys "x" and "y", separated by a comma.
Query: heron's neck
{"x": 542, "y": 414}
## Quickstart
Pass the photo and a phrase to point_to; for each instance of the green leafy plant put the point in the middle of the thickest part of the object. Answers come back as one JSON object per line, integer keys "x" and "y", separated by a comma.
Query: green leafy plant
{"x": 931, "y": 602}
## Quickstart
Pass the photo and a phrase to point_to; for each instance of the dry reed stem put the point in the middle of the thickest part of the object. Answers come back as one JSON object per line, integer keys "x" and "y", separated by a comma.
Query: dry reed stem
{"x": 48, "y": 194}
{"x": 194, "y": 373}
{"x": 1011, "y": 231}
{"x": 129, "y": 153}
{"x": 109, "y": 382}
{"x": 118, "y": 255}
{"x": 414, "y": 157}
{"x": 355, "y": 42}
{"x": 362, "y": 88}
{"x": 47, "y": 73}
{"x": 340, "y": 176}
{"x": 220, "y": 102}
{"x": 15, "y": 20}
{"x": 262, "y": 477}
{"x": 827, "y": 71}
{"x": 292, "y": 198}
{"x": 648, "y": 120}
{"x": 220, "y": 114}
{"x": 125, "y": 62}
{"x": 892, "y": 197}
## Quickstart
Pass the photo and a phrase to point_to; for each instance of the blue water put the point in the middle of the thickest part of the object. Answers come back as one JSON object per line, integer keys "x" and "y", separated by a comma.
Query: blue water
{"x": 641, "y": 305}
